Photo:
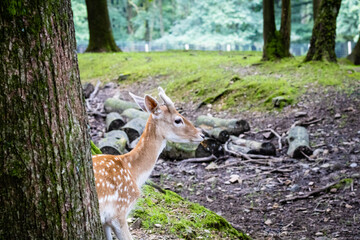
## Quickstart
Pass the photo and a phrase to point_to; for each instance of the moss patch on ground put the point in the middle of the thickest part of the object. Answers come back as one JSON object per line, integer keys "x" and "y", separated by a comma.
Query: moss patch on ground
{"x": 170, "y": 213}
{"x": 235, "y": 80}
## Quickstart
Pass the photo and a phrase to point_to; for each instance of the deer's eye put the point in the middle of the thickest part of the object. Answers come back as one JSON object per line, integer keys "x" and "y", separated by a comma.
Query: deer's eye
{"x": 178, "y": 121}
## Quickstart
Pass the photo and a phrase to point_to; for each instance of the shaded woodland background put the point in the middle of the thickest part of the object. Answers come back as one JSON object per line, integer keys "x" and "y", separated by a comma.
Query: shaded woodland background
{"x": 210, "y": 25}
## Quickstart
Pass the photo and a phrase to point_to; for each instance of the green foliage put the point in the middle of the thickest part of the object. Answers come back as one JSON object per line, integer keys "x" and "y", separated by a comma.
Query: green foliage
{"x": 94, "y": 149}
{"x": 80, "y": 21}
{"x": 348, "y": 21}
{"x": 209, "y": 22}
{"x": 212, "y": 22}
{"x": 230, "y": 80}
{"x": 185, "y": 219}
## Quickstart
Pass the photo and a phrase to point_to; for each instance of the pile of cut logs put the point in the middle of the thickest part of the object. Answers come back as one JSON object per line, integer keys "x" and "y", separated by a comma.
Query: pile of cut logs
{"x": 125, "y": 123}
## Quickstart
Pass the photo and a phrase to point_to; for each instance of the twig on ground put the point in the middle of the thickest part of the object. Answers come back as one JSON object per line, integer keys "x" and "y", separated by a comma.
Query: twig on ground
{"x": 237, "y": 154}
{"x": 157, "y": 187}
{"x": 307, "y": 157}
{"x": 197, "y": 160}
{"x": 97, "y": 114}
{"x": 276, "y": 134}
{"x": 305, "y": 124}
{"x": 96, "y": 90}
{"x": 315, "y": 192}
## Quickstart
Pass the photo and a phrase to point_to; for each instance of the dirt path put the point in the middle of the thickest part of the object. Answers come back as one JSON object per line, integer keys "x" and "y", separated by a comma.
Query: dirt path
{"x": 254, "y": 203}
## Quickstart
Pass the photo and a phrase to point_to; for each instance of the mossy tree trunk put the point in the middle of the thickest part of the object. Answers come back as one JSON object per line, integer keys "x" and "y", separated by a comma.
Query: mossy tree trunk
{"x": 101, "y": 37}
{"x": 322, "y": 43}
{"x": 276, "y": 43}
{"x": 285, "y": 28}
{"x": 354, "y": 57}
{"x": 316, "y": 4}
{"x": 47, "y": 184}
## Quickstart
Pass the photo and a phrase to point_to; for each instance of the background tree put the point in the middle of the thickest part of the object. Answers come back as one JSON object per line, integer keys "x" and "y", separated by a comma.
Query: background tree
{"x": 322, "y": 43}
{"x": 276, "y": 43}
{"x": 316, "y": 5}
{"x": 46, "y": 178}
{"x": 101, "y": 38}
{"x": 354, "y": 57}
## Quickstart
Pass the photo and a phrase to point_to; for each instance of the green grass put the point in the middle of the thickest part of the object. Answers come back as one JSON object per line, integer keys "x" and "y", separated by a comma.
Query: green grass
{"x": 235, "y": 80}
{"x": 182, "y": 218}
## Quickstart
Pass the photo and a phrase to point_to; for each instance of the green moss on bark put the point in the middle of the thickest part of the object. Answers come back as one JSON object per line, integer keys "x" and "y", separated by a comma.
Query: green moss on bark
{"x": 322, "y": 43}
{"x": 47, "y": 183}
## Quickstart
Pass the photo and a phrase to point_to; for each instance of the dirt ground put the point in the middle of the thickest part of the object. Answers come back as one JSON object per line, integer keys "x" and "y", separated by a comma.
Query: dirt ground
{"x": 256, "y": 203}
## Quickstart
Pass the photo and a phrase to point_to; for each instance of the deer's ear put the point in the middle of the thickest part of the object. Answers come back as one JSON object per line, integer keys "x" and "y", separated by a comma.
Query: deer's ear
{"x": 152, "y": 106}
{"x": 139, "y": 101}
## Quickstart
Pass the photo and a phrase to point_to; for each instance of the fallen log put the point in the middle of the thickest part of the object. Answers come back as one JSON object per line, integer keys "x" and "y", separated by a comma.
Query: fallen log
{"x": 233, "y": 126}
{"x": 298, "y": 139}
{"x": 252, "y": 147}
{"x": 118, "y": 134}
{"x": 114, "y": 121}
{"x": 209, "y": 147}
{"x": 113, "y": 146}
{"x": 118, "y": 105}
{"x": 134, "y": 128}
{"x": 88, "y": 88}
{"x": 222, "y": 135}
{"x": 132, "y": 145}
{"x": 132, "y": 113}
{"x": 179, "y": 151}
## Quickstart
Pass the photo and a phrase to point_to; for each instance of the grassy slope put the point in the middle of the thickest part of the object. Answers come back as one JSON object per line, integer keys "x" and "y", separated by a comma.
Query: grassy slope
{"x": 222, "y": 78}
{"x": 187, "y": 220}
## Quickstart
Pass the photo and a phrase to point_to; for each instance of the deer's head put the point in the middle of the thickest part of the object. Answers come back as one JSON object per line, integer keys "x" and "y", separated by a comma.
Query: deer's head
{"x": 170, "y": 124}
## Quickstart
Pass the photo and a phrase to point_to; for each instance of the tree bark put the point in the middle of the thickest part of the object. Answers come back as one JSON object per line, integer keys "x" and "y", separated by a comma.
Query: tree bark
{"x": 161, "y": 21}
{"x": 316, "y": 4}
{"x": 46, "y": 177}
{"x": 322, "y": 43}
{"x": 354, "y": 57}
{"x": 276, "y": 43}
{"x": 101, "y": 37}
{"x": 269, "y": 27}
{"x": 285, "y": 29}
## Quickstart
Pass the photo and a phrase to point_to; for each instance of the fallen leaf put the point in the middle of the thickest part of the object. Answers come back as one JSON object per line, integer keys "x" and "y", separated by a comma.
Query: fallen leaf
{"x": 268, "y": 222}
{"x": 234, "y": 178}
{"x": 211, "y": 166}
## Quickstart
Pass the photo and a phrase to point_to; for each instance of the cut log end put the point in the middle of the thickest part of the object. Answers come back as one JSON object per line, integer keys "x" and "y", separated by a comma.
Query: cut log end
{"x": 301, "y": 150}
{"x": 209, "y": 147}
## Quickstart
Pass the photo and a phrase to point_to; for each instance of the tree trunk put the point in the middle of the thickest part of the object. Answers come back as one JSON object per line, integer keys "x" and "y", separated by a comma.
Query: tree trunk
{"x": 316, "y": 4}
{"x": 269, "y": 27}
{"x": 161, "y": 21}
{"x": 276, "y": 43}
{"x": 322, "y": 43}
{"x": 129, "y": 15}
{"x": 285, "y": 29}
{"x": 101, "y": 38}
{"x": 147, "y": 22}
{"x": 46, "y": 177}
{"x": 354, "y": 57}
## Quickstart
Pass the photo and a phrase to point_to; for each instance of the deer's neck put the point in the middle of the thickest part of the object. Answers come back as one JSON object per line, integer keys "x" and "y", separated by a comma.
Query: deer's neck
{"x": 141, "y": 160}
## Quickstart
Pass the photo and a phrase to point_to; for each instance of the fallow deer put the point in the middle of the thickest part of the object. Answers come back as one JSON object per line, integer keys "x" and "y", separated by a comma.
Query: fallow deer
{"x": 119, "y": 178}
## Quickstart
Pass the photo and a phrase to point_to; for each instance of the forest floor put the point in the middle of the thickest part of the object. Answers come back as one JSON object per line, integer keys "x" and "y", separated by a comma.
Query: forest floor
{"x": 258, "y": 203}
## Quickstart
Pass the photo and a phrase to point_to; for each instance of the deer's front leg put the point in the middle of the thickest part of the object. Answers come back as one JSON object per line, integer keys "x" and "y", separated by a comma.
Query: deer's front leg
{"x": 121, "y": 229}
